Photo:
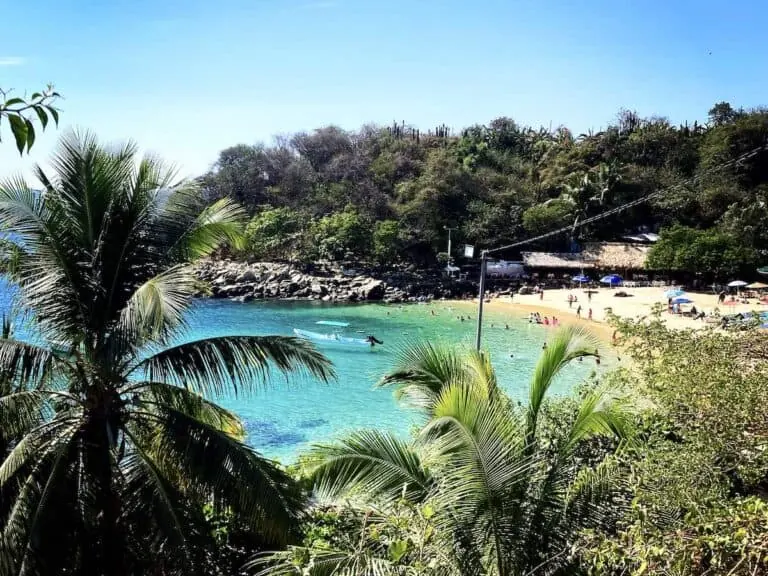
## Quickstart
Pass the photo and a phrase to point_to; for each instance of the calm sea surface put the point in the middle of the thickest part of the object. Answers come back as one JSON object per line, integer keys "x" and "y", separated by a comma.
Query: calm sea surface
{"x": 294, "y": 412}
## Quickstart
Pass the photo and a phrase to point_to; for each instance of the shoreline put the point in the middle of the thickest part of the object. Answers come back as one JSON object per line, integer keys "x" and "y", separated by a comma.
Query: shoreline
{"x": 638, "y": 304}
{"x": 504, "y": 306}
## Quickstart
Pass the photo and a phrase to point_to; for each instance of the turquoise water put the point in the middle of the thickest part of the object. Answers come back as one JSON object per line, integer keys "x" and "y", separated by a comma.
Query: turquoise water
{"x": 292, "y": 413}
{"x": 289, "y": 416}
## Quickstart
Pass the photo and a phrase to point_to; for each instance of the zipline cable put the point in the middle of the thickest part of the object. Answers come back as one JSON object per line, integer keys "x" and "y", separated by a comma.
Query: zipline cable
{"x": 596, "y": 218}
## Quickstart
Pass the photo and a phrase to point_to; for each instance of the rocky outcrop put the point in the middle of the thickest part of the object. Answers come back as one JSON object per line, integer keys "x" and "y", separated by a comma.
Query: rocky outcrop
{"x": 246, "y": 281}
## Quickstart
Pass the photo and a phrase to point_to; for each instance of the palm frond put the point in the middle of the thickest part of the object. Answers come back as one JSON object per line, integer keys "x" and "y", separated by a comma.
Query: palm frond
{"x": 213, "y": 462}
{"x": 601, "y": 412}
{"x": 23, "y": 210}
{"x": 592, "y": 486}
{"x": 568, "y": 344}
{"x": 370, "y": 462}
{"x": 423, "y": 369}
{"x": 215, "y": 365}
{"x": 25, "y": 365}
{"x": 484, "y": 465}
{"x": 22, "y": 411}
{"x": 158, "y": 305}
{"x": 194, "y": 233}
{"x": 321, "y": 563}
{"x": 149, "y": 492}
{"x": 34, "y": 443}
{"x": 481, "y": 373}
{"x": 193, "y": 405}
{"x": 34, "y": 505}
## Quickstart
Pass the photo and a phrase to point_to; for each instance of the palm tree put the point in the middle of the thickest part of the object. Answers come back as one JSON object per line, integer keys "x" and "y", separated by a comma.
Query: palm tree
{"x": 117, "y": 443}
{"x": 508, "y": 498}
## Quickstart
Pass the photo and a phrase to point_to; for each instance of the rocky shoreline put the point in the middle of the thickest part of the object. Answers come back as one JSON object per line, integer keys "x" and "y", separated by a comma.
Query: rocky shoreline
{"x": 246, "y": 281}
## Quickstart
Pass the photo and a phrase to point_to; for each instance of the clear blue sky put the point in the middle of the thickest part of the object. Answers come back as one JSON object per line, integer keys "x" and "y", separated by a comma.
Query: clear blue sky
{"x": 186, "y": 78}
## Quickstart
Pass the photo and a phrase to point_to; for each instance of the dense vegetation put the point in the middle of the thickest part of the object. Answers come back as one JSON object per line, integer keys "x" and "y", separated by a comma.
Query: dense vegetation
{"x": 699, "y": 479}
{"x": 491, "y": 488}
{"x": 386, "y": 194}
{"x": 114, "y": 461}
{"x": 110, "y": 451}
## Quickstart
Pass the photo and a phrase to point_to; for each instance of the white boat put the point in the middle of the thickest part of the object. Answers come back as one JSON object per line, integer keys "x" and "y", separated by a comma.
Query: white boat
{"x": 333, "y": 323}
{"x": 331, "y": 338}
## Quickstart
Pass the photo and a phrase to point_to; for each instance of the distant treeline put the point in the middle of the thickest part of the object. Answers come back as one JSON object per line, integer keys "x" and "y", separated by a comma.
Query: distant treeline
{"x": 388, "y": 193}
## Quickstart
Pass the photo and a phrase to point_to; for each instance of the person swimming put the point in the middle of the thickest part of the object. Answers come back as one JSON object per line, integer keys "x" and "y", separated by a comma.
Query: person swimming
{"x": 373, "y": 340}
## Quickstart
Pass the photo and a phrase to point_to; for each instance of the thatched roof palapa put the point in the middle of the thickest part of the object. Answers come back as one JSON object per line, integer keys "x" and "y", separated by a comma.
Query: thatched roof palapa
{"x": 618, "y": 255}
{"x": 556, "y": 260}
{"x": 603, "y": 255}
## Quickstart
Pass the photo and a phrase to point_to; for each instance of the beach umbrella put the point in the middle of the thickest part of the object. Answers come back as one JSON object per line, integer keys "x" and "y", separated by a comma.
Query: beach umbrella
{"x": 757, "y": 286}
{"x": 737, "y": 284}
{"x": 674, "y": 293}
{"x": 763, "y": 270}
{"x": 580, "y": 279}
{"x": 611, "y": 279}
{"x": 682, "y": 300}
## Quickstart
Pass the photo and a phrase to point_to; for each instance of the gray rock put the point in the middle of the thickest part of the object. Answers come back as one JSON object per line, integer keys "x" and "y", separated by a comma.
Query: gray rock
{"x": 372, "y": 290}
{"x": 318, "y": 288}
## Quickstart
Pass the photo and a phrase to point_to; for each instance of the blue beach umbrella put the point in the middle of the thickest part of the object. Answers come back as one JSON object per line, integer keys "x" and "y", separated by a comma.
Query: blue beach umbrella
{"x": 681, "y": 300}
{"x": 580, "y": 278}
{"x": 674, "y": 293}
{"x": 611, "y": 279}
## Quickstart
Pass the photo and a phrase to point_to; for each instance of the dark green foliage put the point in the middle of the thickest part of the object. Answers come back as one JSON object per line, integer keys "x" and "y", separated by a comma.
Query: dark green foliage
{"x": 111, "y": 447}
{"x": 484, "y": 487}
{"x": 712, "y": 253}
{"x": 698, "y": 482}
{"x": 273, "y": 234}
{"x": 23, "y": 113}
{"x": 502, "y": 182}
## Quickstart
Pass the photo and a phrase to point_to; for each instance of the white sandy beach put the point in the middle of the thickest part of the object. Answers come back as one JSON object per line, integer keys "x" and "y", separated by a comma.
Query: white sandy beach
{"x": 639, "y": 304}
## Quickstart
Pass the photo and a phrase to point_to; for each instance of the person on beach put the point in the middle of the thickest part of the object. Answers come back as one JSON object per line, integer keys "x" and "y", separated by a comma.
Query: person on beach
{"x": 546, "y": 320}
{"x": 590, "y": 314}
{"x": 541, "y": 294}
{"x": 555, "y": 321}
{"x": 570, "y": 300}
{"x": 578, "y": 311}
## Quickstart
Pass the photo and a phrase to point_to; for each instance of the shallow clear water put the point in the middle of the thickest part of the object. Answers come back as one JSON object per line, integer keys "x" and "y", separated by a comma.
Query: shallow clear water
{"x": 288, "y": 417}
{"x": 294, "y": 412}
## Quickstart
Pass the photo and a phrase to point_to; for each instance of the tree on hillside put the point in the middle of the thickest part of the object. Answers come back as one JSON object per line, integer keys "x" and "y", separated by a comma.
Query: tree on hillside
{"x": 117, "y": 446}
{"x": 504, "y": 496}
{"x": 23, "y": 113}
{"x": 711, "y": 253}
{"x": 492, "y": 173}
{"x": 274, "y": 233}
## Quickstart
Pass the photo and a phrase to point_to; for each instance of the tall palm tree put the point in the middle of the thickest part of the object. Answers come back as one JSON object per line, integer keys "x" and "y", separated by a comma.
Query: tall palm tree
{"x": 508, "y": 501}
{"x": 118, "y": 444}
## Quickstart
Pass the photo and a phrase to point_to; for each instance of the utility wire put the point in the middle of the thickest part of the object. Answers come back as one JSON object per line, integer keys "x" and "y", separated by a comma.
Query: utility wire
{"x": 633, "y": 203}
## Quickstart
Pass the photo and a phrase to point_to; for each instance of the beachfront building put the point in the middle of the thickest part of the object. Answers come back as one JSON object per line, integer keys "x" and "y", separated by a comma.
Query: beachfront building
{"x": 597, "y": 258}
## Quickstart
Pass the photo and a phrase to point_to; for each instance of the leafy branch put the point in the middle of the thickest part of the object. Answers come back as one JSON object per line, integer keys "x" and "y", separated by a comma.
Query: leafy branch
{"x": 21, "y": 113}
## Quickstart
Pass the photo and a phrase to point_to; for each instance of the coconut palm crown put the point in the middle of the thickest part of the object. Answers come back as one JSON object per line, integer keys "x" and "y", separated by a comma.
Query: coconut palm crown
{"x": 116, "y": 441}
{"x": 508, "y": 499}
